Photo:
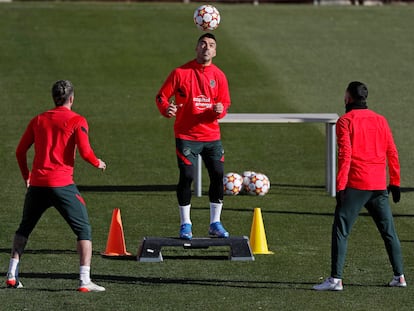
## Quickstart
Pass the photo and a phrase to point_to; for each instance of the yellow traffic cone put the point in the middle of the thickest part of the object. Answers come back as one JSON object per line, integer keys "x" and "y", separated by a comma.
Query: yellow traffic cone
{"x": 258, "y": 241}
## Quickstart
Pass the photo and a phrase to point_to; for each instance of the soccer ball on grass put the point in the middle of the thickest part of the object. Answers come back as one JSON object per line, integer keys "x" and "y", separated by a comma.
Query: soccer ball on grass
{"x": 233, "y": 183}
{"x": 255, "y": 183}
{"x": 206, "y": 17}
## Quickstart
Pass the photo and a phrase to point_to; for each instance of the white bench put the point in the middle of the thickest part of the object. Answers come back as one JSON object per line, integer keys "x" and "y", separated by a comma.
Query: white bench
{"x": 328, "y": 118}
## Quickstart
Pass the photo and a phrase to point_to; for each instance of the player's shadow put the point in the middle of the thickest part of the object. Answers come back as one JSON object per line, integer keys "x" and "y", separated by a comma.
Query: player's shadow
{"x": 48, "y": 251}
{"x": 104, "y": 279}
{"x": 126, "y": 188}
{"x": 168, "y": 254}
{"x": 43, "y": 251}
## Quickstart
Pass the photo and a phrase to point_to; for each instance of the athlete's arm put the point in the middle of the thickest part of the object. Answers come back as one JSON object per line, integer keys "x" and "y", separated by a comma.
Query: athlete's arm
{"x": 223, "y": 101}
{"x": 344, "y": 153}
{"x": 393, "y": 161}
{"x": 83, "y": 144}
{"x": 167, "y": 107}
{"x": 24, "y": 145}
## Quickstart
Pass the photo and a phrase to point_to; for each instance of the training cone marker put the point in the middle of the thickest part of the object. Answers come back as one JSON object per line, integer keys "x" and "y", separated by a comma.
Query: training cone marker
{"x": 115, "y": 245}
{"x": 258, "y": 241}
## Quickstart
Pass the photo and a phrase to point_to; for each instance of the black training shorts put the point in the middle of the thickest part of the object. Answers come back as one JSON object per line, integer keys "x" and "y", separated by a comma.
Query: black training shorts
{"x": 67, "y": 201}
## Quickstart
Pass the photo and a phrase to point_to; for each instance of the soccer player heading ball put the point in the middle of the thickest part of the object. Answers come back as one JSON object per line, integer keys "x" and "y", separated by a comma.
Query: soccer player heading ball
{"x": 197, "y": 95}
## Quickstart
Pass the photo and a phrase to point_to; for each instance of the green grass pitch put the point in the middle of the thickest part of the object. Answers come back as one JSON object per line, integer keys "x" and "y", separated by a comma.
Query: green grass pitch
{"x": 278, "y": 59}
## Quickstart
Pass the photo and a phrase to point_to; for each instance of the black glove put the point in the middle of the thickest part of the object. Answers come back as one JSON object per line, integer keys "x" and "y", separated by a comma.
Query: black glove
{"x": 396, "y": 193}
{"x": 340, "y": 195}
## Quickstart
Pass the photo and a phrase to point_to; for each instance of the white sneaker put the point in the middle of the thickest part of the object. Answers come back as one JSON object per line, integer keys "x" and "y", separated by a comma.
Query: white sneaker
{"x": 90, "y": 287}
{"x": 330, "y": 284}
{"x": 398, "y": 281}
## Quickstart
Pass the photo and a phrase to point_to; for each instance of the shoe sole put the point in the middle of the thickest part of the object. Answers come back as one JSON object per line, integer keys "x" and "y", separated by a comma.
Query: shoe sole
{"x": 18, "y": 286}
{"x": 94, "y": 288}
{"x": 329, "y": 290}
{"x": 218, "y": 235}
{"x": 85, "y": 290}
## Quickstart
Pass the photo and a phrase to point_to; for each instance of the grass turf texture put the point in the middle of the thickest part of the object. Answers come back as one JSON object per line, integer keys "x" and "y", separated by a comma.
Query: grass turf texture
{"x": 278, "y": 59}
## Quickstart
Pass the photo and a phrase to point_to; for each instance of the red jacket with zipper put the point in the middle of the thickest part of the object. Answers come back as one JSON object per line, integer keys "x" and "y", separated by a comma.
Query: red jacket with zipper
{"x": 196, "y": 89}
{"x": 365, "y": 148}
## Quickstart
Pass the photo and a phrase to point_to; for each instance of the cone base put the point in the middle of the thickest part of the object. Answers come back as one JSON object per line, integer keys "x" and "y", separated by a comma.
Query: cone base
{"x": 115, "y": 254}
{"x": 263, "y": 253}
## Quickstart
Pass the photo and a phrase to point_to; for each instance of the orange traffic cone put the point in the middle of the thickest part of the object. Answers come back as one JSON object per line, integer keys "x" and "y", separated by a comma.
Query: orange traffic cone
{"x": 258, "y": 241}
{"x": 115, "y": 245}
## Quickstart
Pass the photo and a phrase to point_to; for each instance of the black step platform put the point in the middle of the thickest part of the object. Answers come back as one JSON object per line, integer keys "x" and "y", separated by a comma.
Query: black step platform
{"x": 150, "y": 247}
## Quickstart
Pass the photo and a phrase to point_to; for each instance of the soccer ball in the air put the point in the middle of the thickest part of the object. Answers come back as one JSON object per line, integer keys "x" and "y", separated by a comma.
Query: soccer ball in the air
{"x": 206, "y": 17}
{"x": 233, "y": 183}
{"x": 256, "y": 183}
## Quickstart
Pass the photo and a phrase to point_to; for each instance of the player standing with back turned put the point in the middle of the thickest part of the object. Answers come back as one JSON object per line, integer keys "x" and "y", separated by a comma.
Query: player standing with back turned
{"x": 365, "y": 148}
{"x": 197, "y": 95}
{"x": 55, "y": 135}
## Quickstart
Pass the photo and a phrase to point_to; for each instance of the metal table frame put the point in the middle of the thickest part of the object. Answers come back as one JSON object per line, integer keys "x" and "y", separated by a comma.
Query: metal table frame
{"x": 330, "y": 123}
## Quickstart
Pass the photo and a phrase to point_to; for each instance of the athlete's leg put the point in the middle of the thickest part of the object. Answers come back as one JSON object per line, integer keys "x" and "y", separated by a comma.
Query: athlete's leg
{"x": 216, "y": 191}
{"x": 184, "y": 184}
{"x": 35, "y": 204}
{"x": 72, "y": 207}
{"x": 380, "y": 210}
{"x": 70, "y": 204}
{"x": 187, "y": 153}
{"x": 187, "y": 156}
{"x": 345, "y": 217}
{"x": 19, "y": 244}
{"x": 216, "y": 188}
{"x": 84, "y": 248}
{"x": 213, "y": 156}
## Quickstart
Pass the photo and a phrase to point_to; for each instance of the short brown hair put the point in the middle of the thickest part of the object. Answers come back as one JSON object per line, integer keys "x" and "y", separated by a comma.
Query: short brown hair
{"x": 61, "y": 91}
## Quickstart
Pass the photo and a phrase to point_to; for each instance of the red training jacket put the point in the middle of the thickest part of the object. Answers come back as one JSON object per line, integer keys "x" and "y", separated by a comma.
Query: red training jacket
{"x": 196, "y": 89}
{"x": 55, "y": 135}
{"x": 365, "y": 146}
